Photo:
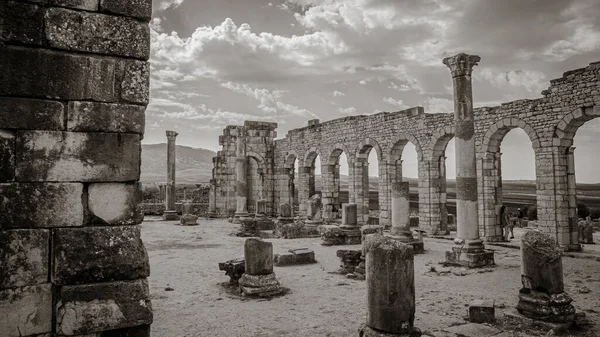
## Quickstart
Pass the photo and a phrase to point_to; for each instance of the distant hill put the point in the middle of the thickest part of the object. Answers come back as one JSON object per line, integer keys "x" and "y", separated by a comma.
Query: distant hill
{"x": 193, "y": 165}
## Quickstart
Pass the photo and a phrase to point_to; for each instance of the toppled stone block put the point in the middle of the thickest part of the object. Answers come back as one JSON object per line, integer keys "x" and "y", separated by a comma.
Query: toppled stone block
{"x": 482, "y": 311}
{"x": 77, "y": 156}
{"x": 98, "y": 254}
{"x": 350, "y": 260}
{"x": 88, "y": 308}
{"x": 295, "y": 257}
{"x": 26, "y": 311}
{"x": 97, "y": 33}
{"x": 105, "y": 117}
{"x": 24, "y": 257}
{"x": 47, "y": 205}
{"x": 371, "y": 229}
{"x": 234, "y": 269}
{"x": 116, "y": 203}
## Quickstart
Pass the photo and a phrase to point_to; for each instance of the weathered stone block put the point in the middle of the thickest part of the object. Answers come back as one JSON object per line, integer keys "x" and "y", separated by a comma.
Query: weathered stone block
{"x": 259, "y": 256}
{"x": 96, "y": 33}
{"x": 115, "y": 203}
{"x": 103, "y": 117}
{"x": 141, "y": 9}
{"x": 23, "y": 257}
{"x": 98, "y": 254}
{"x": 49, "y": 74}
{"x": 7, "y": 156}
{"x": 481, "y": 311}
{"x": 26, "y": 311}
{"x": 34, "y": 205}
{"x": 75, "y": 156}
{"x": 90, "y": 5}
{"x": 103, "y": 306}
{"x": 31, "y": 114}
{"x": 134, "y": 81}
{"x": 21, "y": 23}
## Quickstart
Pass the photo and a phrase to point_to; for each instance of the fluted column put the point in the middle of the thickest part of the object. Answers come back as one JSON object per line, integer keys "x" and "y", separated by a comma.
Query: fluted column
{"x": 170, "y": 212}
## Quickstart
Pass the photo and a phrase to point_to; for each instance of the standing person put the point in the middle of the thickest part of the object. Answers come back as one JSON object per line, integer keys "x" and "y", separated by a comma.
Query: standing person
{"x": 505, "y": 222}
{"x": 520, "y": 217}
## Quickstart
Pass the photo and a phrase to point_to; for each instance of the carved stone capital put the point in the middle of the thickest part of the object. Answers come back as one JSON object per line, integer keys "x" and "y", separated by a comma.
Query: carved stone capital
{"x": 171, "y": 135}
{"x": 461, "y": 64}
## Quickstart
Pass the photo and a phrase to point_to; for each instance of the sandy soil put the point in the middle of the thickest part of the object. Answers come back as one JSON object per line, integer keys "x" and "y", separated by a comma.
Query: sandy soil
{"x": 320, "y": 303}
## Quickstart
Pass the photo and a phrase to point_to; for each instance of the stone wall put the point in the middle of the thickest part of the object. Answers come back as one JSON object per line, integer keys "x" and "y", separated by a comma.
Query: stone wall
{"x": 550, "y": 121}
{"x": 73, "y": 93}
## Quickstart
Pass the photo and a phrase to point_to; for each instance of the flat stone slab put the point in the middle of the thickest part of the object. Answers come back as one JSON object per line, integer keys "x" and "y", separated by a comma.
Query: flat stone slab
{"x": 515, "y": 317}
{"x": 295, "y": 257}
{"x": 473, "y": 330}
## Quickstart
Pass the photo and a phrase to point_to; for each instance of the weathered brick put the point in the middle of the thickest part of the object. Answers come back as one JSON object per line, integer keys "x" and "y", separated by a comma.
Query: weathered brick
{"x": 116, "y": 204}
{"x": 21, "y": 22}
{"x": 97, "y": 33}
{"x": 104, "y": 117}
{"x": 90, "y": 5}
{"x": 7, "y": 156}
{"x": 40, "y": 73}
{"x": 141, "y": 9}
{"x": 104, "y": 306}
{"x": 98, "y": 254}
{"x": 135, "y": 81}
{"x": 24, "y": 257}
{"x": 77, "y": 156}
{"x": 26, "y": 311}
{"x": 31, "y": 114}
{"x": 35, "y": 205}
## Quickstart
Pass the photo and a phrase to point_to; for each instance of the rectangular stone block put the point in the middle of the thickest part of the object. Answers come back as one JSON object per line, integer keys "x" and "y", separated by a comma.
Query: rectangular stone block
{"x": 26, "y": 311}
{"x": 21, "y": 22}
{"x": 481, "y": 311}
{"x": 76, "y": 156}
{"x": 141, "y": 9}
{"x": 134, "y": 81}
{"x": 97, "y": 307}
{"x": 115, "y": 204}
{"x": 104, "y": 117}
{"x": 31, "y": 114}
{"x": 24, "y": 257}
{"x": 98, "y": 254}
{"x": 89, "y": 5}
{"x": 35, "y": 205}
{"x": 96, "y": 33}
{"x": 7, "y": 156}
{"x": 41, "y": 73}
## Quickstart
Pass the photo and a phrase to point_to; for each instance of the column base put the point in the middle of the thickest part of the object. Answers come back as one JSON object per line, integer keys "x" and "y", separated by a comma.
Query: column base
{"x": 470, "y": 259}
{"x": 367, "y": 331}
{"x": 418, "y": 246}
{"x": 170, "y": 216}
{"x": 556, "y": 308}
{"x": 260, "y": 285}
{"x": 189, "y": 220}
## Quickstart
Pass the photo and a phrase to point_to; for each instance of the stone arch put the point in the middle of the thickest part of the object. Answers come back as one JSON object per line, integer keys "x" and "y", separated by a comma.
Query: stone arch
{"x": 310, "y": 155}
{"x": 567, "y": 127}
{"x": 399, "y": 141}
{"x": 364, "y": 147}
{"x": 437, "y": 212}
{"x": 335, "y": 152}
{"x": 290, "y": 158}
{"x": 259, "y": 159}
{"x": 440, "y": 140}
{"x": 495, "y": 134}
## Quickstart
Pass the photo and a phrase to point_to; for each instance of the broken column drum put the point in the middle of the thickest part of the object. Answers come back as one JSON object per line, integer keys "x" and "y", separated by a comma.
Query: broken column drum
{"x": 259, "y": 278}
{"x": 241, "y": 166}
{"x": 350, "y": 228}
{"x": 401, "y": 216}
{"x": 187, "y": 216}
{"x": 212, "y": 205}
{"x": 390, "y": 289}
{"x": 542, "y": 295}
{"x": 170, "y": 212}
{"x": 469, "y": 250}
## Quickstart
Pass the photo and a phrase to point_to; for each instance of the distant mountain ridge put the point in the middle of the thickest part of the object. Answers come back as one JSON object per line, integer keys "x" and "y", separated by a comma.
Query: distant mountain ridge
{"x": 193, "y": 165}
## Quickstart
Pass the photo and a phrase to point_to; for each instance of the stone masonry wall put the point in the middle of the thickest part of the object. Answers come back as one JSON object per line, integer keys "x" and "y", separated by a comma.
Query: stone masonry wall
{"x": 74, "y": 85}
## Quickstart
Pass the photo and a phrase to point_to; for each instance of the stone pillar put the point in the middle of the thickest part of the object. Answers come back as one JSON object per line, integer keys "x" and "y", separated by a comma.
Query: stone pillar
{"x": 401, "y": 217}
{"x": 241, "y": 168}
{"x": 349, "y": 216}
{"x": 212, "y": 200}
{"x": 469, "y": 249}
{"x": 542, "y": 295}
{"x": 390, "y": 290}
{"x": 327, "y": 190}
{"x": 572, "y": 198}
{"x": 73, "y": 94}
{"x": 170, "y": 211}
{"x": 259, "y": 278}
{"x": 443, "y": 201}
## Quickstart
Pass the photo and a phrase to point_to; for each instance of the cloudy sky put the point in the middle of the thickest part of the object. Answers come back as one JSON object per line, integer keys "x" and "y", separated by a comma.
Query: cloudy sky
{"x": 220, "y": 62}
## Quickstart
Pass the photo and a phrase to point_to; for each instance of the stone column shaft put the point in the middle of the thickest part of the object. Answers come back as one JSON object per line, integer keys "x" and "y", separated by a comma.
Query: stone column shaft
{"x": 241, "y": 168}
{"x": 170, "y": 198}
{"x": 401, "y": 211}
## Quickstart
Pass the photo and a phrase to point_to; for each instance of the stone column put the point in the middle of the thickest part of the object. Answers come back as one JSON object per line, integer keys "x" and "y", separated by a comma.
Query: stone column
{"x": 212, "y": 200}
{"x": 572, "y": 195}
{"x": 259, "y": 278}
{"x": 241, "y": 168}
{"x": 469, "y": 249}
{"x": 390, "y": 290}
{"x": 401, "y": 217}
{"x": 73, "y": 95}
{"x": 349, "y": 227}
{"x": 542, "y": 295}
{"x": 170, "y": 210}
{"x": 443, "y": 201}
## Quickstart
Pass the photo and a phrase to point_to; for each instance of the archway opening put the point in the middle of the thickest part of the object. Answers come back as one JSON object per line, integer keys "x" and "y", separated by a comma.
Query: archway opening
{"x": 409, "y": 169}
{"x": 291, "y": 166}
{"x": 443, "y": 185}
{"x": 333, "y": 182}
{"x": 373, "y": 183}
{"x": 367, "y": 160}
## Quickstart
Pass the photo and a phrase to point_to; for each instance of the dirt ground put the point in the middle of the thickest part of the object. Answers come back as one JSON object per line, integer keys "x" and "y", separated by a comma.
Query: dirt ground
{"x": 189, "y": 298}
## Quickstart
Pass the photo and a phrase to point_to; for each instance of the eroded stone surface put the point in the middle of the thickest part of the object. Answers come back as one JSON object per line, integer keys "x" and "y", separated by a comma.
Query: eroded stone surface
{"x": 24, "y": 257}
{"x": 259, "y": 256}
{"x": 31, "y": 114}
{"x": 104, "y": 117}
{"x": 116, "y": 203}
{"x": 21, "y": 22}
{"x": 26, "y": 311}
{"x": 141, "y": 9}
{"x": 7, "y": 156}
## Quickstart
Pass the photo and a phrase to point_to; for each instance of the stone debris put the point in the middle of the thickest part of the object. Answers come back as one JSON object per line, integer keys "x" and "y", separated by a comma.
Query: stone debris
{"x": 234, "y": 269}
{"x": 259, "y": 278}
{"x": 295, "y": 257}
{"x": 482, "y": 311}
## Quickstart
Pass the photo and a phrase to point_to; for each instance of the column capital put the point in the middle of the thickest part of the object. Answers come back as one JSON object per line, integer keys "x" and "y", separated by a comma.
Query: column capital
{"x": 171, "y": 135}
{"x": 461, "y": 64}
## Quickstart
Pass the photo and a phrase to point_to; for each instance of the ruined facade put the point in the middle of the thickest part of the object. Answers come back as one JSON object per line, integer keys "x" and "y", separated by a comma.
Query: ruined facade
{"x": 73, "y": 92}
{"x": 550, "y": 122}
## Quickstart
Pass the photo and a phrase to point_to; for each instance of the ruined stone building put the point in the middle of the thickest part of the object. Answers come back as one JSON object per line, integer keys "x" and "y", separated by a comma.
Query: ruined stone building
{"x": 253, "y": 164}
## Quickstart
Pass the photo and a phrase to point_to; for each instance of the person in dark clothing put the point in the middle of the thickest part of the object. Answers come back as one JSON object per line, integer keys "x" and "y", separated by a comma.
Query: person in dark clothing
{"x": 520, "y": 217}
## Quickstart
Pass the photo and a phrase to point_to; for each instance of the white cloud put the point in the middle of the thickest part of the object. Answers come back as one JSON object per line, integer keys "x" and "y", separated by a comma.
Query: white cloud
{"x": 347, "y": 111}
{"x": 398, "y": 103}
{"x": 532, "y": 81}
{"x": 170, "y": 4}
{"x": 337, "y": 93}
{"x": 438, "y": 105}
